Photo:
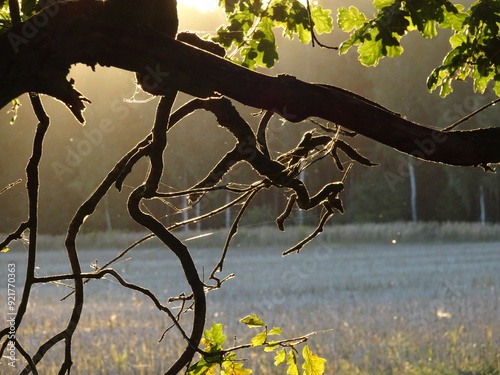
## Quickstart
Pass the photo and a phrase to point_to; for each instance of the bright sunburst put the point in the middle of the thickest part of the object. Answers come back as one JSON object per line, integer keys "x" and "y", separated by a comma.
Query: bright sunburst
{"x": 203, "y": 6}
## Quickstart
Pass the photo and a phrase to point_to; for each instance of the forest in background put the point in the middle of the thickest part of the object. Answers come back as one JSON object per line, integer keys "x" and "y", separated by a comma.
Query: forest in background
{"x": 77, "y": 157}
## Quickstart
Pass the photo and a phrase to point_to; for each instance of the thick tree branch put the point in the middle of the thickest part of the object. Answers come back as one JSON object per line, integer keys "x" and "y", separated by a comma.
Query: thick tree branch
{"x": 74, "y": 33}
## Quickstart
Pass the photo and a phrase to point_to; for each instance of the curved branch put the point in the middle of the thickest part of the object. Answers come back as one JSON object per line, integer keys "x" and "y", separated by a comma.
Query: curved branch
{"x": 149, "y": 190}
{"x": 190, "y": 271}
{"x": 75, "y": 34}
{"x": 32, "y": 187}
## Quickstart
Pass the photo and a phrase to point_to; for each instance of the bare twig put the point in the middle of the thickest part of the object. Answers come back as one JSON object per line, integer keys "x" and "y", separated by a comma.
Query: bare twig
{"x": 10, "y": 186}
{"x": 232, "y": 231}
{"x": 469, "y": 116}
{"x": 17, "y": 234}
{"x": 314, "y": 38}
{"x": 326, "y": 216}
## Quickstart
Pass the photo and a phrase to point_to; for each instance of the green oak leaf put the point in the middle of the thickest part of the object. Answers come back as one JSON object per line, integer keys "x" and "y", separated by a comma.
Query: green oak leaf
{"x": 350, "y": 19}
{"x": 313, "y": 365}
{"x": 280, "y": 357}
{"x": 275, "y": 331}
{"x": 370, "y": 52}
{"x": 202, "y": 367}
{"x": 323, "y": 22}
{"x": 259, "y": 339}
{"x": 292, "y": 369}
{"x": 380, "y": 4}
{"x": 271, "y": 346}
{"x": 231, "y": 367}
{"x": 214, "y": 338}
{"x": 252, "y": 321}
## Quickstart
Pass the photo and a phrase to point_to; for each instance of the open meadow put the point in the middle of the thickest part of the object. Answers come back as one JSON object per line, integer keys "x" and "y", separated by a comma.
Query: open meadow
{"x": 394, "y": 306}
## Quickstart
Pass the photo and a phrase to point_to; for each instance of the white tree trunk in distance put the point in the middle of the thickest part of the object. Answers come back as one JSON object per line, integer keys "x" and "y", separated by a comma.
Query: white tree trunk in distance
{"x": 413, "y": 189}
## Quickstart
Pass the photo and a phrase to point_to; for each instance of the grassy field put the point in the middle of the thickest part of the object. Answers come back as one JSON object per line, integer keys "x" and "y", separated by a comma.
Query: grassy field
{"x": 399, "y": 305}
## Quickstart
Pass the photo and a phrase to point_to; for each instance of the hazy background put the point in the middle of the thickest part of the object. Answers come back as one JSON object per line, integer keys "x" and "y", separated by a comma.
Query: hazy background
{"x": 76, "y": 158}
{"x": 405, "y": 299}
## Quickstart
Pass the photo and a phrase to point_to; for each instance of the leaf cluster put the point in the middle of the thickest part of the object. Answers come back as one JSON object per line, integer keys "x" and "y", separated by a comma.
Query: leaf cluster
{"x": 475, "y": 43}
{"x": 27, "y": 9}
{"x": 250, "y": 31}
{"x": 286, "y": 353}
{"x": 381, "y": 36}
{"x": 475, "y": 50}
{"x": 5, "y": 21}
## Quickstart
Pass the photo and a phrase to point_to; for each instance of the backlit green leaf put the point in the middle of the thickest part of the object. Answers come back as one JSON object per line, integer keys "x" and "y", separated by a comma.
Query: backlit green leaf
{"x": 370, "y": 52}
{"x": 214, "y": 338}
{"x": 275, "y": 331}
{"x": 252, "y": 321}
{"x": 345, "y": 46}
{"x": 202, "y": 367}
{"x": 304, "y": 34}
{"x": 231, "y": 367}
{"x": 446, "y": 87}
{"x": 280, "y": 357}
{"x": 380, "y": 4}
{"x": 430, "y": 30}
{"x": 292, "y": 369}
{"x": 457, "y": 40}
{"x": 496, "y": 87}
{"x": 313, "y": 365}
{"x": 271, "y": 346}
{"x": 323, "y": 22}
{"x": 394, "y": 51}
{"x": 454, "y": 20}
{"x": 260, "y": 339}
{"x": 351, "y": 19}
{"x": 482, "y": 76}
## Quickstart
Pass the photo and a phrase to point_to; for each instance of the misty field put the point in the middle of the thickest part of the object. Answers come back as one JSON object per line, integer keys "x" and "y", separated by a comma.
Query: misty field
{"x": 393, "y": 307}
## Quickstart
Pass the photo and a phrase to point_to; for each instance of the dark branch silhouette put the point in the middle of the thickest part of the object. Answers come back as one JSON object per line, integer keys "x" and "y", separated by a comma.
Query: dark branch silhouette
{"x": 80, "y": 32}
{"x": 76, "y": 34}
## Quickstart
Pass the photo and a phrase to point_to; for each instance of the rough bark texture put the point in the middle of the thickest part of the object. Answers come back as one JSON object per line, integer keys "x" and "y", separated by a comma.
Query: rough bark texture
{"x": 37, "y": 55}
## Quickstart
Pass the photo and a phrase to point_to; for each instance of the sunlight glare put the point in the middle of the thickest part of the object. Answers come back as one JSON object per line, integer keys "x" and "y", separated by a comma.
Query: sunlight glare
{"x": 202, "y": 6}
{"x": 205, "y": 6}
{"x": 199, "y": 236}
